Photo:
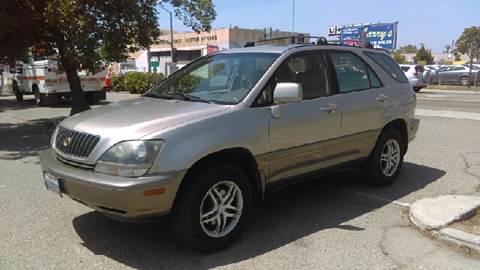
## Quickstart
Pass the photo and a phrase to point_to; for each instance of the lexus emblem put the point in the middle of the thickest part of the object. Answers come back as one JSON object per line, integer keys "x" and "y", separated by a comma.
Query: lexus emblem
{"x": 67, "y": 141}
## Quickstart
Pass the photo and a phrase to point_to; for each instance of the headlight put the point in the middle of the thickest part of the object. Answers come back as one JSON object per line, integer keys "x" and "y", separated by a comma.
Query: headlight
{"x": 129, "y": 159}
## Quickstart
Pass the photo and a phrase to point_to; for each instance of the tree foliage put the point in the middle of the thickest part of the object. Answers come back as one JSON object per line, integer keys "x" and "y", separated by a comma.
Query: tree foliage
{"x": 469, "y": 42}
{"x": 424, "y": 55}
{"x": 86, "y": 32}
{"x": 399, "y": 57}
{"x": 409, "y": 48}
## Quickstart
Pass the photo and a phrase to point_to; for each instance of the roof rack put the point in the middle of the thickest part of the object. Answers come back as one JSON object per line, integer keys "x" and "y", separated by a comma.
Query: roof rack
{"x": 298, "y": 39}
{"x": 302, "y": 38}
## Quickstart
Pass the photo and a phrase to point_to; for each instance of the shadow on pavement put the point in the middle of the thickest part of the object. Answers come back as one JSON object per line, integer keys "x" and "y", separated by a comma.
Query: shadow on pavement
{"x": 26, "y": 139}
{"x": 287, "y": 215}
{"x": 11, "y": 104}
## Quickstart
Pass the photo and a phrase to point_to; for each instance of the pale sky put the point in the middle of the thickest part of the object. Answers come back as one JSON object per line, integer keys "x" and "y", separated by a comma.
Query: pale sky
{"x": 435, "y": 23}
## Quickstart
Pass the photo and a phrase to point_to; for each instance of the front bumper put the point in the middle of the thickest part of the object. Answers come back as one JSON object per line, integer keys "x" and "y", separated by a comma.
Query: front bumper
{"x": 119, "y": 197}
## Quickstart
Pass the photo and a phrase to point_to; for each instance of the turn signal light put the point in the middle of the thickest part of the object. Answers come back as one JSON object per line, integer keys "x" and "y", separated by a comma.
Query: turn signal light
{"x": 155, "y": 191}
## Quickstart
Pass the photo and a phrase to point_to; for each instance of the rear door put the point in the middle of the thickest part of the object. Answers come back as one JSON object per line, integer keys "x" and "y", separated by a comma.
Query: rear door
{"x": 361, "y": 97}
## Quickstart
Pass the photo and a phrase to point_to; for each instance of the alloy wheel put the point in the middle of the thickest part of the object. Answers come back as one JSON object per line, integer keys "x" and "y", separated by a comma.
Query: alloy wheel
{"x": 390, "y": 157}
{"x": 221, "y": 209}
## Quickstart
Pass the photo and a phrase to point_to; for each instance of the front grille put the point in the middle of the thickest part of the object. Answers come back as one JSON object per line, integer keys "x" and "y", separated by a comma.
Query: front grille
{"x": 74, "y": 143}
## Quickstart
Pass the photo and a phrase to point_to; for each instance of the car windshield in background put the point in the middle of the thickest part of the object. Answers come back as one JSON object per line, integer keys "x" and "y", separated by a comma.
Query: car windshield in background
{"x": 224, "y": 78}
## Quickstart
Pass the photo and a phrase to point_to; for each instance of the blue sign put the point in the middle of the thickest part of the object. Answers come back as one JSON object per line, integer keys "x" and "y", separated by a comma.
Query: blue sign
{"x": 379, "y": 35}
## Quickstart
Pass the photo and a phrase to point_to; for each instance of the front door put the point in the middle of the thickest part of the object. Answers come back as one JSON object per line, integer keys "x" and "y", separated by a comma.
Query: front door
{"x": 298, "y": 131}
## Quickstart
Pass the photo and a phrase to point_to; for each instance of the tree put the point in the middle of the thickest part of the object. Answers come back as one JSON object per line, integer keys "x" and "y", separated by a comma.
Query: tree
{"x": 409, "y": 48}
{"x": 469, "y": 43}
{"x": 86, "y": 32}
{"x": 399, "y": 58}
{"x": 424, "y": 55}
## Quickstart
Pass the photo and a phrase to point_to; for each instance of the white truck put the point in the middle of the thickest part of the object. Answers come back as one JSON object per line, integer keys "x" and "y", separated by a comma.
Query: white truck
{"x": 44, "y": 80}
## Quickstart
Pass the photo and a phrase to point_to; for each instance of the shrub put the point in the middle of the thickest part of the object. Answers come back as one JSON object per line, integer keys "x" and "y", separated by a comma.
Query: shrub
{"x": 118, "y": 83}
{"x": 136, "y": 82}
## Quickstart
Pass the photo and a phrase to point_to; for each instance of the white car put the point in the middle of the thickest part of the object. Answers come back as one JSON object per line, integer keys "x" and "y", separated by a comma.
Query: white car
{"x": 417, "y": 75}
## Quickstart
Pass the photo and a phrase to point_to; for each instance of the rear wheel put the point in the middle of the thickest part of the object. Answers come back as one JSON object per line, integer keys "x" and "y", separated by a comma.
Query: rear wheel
{"x": 464, "y": 80}
{"x": 16, "y": 91}
{"x": 39, "y": 99}
{"x": 212, "y": 207}
{"x": 386, "y": 160}
{"x": 417, "y": 89}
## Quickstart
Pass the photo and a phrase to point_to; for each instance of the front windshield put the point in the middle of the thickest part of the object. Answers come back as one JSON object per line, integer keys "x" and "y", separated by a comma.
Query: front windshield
{"x": 221, "y": 78}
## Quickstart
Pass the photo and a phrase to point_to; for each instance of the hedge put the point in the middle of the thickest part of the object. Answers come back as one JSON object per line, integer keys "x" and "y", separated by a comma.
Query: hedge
{"x": 136, "y": 82}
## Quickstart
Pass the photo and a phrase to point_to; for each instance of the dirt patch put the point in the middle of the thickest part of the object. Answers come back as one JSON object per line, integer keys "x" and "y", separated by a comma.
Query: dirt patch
{"x": 471, "y": 225}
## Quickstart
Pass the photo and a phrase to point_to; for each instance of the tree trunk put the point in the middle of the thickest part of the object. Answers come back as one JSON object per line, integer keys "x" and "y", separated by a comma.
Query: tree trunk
{"x": 79, "y": 101}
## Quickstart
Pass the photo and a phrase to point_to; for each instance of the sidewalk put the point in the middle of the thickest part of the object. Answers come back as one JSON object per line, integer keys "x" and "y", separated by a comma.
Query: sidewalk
{"x": 434, "y": 90}
{"x": 451, "y": 218}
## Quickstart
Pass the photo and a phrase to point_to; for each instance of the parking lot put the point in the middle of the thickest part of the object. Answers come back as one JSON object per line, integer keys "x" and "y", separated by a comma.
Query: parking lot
{"x": 334, "y": 222}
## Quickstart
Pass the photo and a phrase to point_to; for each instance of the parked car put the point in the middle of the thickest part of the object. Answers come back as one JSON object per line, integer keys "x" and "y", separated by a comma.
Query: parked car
{"x": 456, "y": 74}
{"x": 417, "y": 75}
{"x": 203, "y": 148}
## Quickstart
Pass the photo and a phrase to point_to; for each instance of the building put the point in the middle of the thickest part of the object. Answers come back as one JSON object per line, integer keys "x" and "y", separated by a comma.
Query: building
{"x": 191, "y": 45}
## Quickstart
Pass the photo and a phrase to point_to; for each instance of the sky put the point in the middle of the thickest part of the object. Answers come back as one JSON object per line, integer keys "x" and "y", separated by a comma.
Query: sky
{"x": 432, "y": 22}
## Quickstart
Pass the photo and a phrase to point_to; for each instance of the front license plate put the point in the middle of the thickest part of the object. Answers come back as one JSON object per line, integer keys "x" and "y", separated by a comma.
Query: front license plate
{"x": 52, "y": 183}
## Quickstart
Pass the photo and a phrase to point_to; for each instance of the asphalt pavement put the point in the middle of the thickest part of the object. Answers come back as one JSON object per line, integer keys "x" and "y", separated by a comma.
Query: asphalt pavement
{"x": 334, "y": 222}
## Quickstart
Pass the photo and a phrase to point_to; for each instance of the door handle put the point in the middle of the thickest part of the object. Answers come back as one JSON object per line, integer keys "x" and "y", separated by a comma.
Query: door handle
{"x": 381, "y": 98}
{"x": 330, "y": 108}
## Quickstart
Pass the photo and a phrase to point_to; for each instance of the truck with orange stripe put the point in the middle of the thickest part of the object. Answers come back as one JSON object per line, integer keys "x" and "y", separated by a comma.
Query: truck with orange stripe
{"x": 48, "y": 84}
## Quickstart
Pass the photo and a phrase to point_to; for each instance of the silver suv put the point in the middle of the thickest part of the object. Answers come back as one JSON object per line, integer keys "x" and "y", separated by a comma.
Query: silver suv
{"x": 207, "y": 143}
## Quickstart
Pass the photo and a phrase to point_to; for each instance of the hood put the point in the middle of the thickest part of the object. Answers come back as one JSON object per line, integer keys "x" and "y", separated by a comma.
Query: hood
{"x": 133, "y": 119}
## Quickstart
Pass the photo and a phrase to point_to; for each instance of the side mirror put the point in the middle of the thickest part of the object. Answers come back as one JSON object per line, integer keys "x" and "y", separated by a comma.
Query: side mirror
{"x": 287, "y": 93}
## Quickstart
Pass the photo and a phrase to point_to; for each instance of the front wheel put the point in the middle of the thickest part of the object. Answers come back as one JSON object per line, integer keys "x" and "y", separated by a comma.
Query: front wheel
{"x": 386, "y": 160}
{"x": 464, "y": 80}
{"x": 417, "y": 89}
{"x": 212, "y": 207}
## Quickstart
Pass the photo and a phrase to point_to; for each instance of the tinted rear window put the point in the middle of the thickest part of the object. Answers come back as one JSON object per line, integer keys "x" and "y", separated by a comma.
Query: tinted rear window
{"x": 387, "y": 64}
{"x": 405, "y": 69}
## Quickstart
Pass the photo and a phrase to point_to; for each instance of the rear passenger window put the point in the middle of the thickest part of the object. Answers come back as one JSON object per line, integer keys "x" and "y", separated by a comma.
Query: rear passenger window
{"x": 387, "y": 64}
{"x": 374, "y": 79}
{"x": 352, "y": 74}
{"x": 309, "y": 70}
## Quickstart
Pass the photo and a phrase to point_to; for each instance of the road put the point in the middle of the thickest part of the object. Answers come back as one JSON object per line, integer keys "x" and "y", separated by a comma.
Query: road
{"x": 465, "y": 101}
{"x": 336, "y": 222}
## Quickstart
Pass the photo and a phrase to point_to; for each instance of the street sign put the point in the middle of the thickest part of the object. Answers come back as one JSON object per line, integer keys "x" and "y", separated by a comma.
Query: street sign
{"x": 155, "y": 64}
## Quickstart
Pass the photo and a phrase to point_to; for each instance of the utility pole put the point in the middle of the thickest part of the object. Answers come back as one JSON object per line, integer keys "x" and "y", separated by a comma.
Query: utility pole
{"x": 171, "y": 37}
{"x": 293, "y": 18}
{"x": 171, "y": 31}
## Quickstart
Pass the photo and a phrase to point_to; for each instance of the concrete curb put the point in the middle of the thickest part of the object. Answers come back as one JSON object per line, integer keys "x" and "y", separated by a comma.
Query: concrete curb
{"x": 432, "y": 215}
{"x": 460, "y": 238}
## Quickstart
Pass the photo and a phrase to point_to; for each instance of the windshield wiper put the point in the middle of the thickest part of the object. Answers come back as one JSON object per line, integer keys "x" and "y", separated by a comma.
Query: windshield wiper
{"x": 153, "y": 95}
{"x": 189, "y": 98}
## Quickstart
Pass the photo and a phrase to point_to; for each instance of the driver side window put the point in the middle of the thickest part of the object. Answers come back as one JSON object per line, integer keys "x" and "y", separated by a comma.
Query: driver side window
{"x": 308, "y": 69}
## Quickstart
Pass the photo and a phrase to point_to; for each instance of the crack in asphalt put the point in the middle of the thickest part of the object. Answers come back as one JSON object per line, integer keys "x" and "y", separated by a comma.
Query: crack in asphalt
{"x": 468, "y": 166}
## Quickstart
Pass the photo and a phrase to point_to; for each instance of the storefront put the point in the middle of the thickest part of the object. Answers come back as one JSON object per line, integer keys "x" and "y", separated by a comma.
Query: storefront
{"x": 190, "y": 45}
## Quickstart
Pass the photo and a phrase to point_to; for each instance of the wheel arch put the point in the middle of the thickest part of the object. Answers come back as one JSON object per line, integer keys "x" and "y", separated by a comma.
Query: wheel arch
{"x": 400, "y": 125}
{"x": 238, "y": 156}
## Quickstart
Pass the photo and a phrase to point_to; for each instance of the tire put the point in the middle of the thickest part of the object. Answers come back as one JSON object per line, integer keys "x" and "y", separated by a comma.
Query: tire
{"x": 194, "y": 199}
{"x": 376, "y": 168}
{"x": 464, "y": 80}
{"x": 16, "y": 91}
{"x": 39, "y": 99}
{"x": 417, "y": 89}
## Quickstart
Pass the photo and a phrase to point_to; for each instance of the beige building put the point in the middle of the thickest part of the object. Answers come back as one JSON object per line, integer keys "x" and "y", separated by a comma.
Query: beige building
{"x": 191, "y": 45}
